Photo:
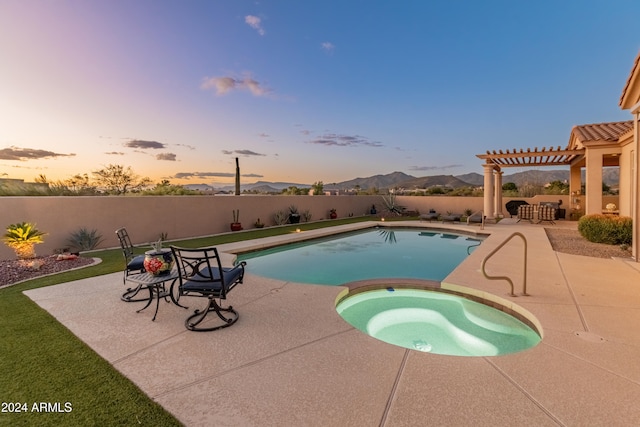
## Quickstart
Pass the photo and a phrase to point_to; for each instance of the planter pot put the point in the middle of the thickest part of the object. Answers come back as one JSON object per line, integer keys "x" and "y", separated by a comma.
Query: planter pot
{"x": 236, "y": 226}
{"x": 294, "y": 218}
{"x": 333, "y": 215}
{"x": 159, "y": 262}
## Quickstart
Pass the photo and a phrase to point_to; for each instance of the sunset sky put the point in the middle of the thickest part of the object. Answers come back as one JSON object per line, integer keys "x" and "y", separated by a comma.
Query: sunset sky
{"x": 301, "y": 91}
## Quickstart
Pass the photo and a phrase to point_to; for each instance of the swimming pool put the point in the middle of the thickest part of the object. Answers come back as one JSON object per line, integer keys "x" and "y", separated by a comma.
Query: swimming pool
{"x": 373, "y": 253}
{"x": 436, "y": 322}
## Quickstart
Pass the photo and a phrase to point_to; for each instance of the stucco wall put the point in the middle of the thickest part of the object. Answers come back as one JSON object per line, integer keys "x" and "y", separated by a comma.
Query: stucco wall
{"x": 145, "y": 217}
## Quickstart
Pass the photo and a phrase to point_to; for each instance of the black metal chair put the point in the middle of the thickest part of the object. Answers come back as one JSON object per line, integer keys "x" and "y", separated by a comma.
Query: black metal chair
{"x": 201, "y": 275}
{"x": 133, "y": 264}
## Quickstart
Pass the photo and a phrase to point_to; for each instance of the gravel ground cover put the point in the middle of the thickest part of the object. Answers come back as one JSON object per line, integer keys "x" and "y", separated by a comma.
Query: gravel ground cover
{"x": 571, "y": 242}
{"x": 14, "y": 271}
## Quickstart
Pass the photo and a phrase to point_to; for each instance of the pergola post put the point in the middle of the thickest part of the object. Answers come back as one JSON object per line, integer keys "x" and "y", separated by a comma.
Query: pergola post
{"x": 488, "y": 191}
{"x": 498, "y": 194}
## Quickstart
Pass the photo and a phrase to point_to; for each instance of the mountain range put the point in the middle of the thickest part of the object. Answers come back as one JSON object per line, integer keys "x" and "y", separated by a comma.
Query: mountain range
{"x": 402, "y": 180}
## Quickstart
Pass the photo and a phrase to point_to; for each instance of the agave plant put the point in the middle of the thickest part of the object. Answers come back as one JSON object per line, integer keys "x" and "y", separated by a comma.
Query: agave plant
{"x": 85, "y": 239}
{"x": 22, "y": 237}
{"x": 391, "y": 204}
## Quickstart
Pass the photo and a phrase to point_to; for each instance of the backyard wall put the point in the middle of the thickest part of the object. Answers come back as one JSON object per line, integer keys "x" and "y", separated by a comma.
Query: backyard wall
{"x": 146, "y": 217}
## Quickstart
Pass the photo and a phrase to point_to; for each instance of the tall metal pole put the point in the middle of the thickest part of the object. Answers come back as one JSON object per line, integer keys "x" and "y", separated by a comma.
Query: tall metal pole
{"x": 237, "y": 177}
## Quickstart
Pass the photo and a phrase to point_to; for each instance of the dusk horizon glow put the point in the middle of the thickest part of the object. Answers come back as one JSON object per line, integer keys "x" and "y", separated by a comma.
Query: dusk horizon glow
{"x": 301, "y": 91}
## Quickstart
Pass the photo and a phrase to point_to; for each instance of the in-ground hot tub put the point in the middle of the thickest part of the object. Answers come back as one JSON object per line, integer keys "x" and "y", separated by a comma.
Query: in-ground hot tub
{"x": 436, "y": 322}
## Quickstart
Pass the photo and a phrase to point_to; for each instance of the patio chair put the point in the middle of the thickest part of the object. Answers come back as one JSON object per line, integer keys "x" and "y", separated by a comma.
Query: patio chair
{"x": 452, "y": 217}
{"x": 546, "y": 213}
{"x": 525, "y": 212}
{"x": 429, "y": 216}
{"x": 200, "y": 274}
{"x": 133, "y": 264}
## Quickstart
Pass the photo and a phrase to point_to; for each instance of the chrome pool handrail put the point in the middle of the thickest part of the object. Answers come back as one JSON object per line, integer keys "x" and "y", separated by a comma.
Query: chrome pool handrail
{"x": 508, "y": 279}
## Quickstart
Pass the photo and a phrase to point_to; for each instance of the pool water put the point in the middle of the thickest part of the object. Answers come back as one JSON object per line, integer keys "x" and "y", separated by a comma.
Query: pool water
{"x": 370, "y": 254}
{"x": 436, "y": 322}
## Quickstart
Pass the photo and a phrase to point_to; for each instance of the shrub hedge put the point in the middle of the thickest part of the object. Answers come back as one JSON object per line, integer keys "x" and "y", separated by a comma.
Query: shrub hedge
{"x": 609, "y": 229}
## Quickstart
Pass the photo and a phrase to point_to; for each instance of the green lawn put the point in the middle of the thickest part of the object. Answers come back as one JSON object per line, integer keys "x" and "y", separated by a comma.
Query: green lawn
{"x": 42, "y": 361}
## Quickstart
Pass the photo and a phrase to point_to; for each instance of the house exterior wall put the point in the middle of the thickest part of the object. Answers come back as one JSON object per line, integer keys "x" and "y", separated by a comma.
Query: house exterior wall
{"x": 626, "y": 178}
{"x": 593, "y": 180}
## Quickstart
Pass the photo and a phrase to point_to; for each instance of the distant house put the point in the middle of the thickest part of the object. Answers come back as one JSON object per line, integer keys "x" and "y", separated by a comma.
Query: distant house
{"x": 18, "y": 186}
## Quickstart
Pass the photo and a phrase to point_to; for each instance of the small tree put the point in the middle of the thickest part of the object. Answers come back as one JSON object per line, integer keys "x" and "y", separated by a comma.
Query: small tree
{"x": 557, "y": 187}
{"x": 117, "y": 179}
{"x": 318, "y": 188}
{"x": 22, "y": 237}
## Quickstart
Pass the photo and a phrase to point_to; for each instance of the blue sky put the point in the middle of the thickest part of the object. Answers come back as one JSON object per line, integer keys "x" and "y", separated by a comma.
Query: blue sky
{"x": 301, "y": 91}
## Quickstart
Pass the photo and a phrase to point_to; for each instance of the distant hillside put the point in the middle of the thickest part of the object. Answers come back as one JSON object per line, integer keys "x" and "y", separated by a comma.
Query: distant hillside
{"x": 610, "y": 176}
{"x": 199, "y": 187}
{"x": 472, "y": 178}
{"x": 263, "y": 186}
{"x": 434, "y": 181}
{"x": 376, "y": 181}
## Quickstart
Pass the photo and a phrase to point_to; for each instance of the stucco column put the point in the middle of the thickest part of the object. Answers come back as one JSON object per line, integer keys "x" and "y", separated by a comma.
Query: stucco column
{"x": 498, "y": 194}
{"x": 488, "y": 191}
{"x": 575, "y": 184}
{"x": 635, "y": 184}
{"x": 593, "y": 202}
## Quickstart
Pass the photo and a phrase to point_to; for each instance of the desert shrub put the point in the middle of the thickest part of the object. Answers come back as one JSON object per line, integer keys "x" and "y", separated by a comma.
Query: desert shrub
{"x": 612, "y": 230}
{"x": 85, "y": 239}
{"x": 280, "y": 217}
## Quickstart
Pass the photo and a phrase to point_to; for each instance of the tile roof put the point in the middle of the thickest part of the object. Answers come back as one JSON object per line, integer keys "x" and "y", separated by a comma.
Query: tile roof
{"x": 602, "y": 131}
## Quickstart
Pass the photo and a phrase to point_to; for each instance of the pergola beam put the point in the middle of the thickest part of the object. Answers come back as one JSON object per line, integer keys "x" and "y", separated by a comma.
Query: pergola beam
{"x": 519, "y": 158}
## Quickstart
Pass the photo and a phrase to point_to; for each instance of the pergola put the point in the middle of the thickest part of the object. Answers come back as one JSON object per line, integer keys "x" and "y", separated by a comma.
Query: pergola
{"x": 495, "y": 161}
{"x": 591, "y": 147}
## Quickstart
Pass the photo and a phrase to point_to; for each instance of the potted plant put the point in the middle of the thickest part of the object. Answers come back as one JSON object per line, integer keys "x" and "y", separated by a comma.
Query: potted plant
{"x": 236, "y": 225}
{"x": 294, "y": 216}
{"x": 333, "y": 214}
{"x": 258, "y": 224}
{"x": 158, "y": 261}
{"x": 373, "y": 210}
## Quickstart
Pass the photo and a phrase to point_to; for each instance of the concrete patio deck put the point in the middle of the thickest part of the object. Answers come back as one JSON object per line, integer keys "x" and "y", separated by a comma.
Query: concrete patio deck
{"x": 291, "y": 360}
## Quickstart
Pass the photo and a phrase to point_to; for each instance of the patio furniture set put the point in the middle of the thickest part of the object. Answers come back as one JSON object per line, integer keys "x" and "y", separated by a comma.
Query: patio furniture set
{"x": 196, "y": 272}
{"x": 544, "y": 211}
